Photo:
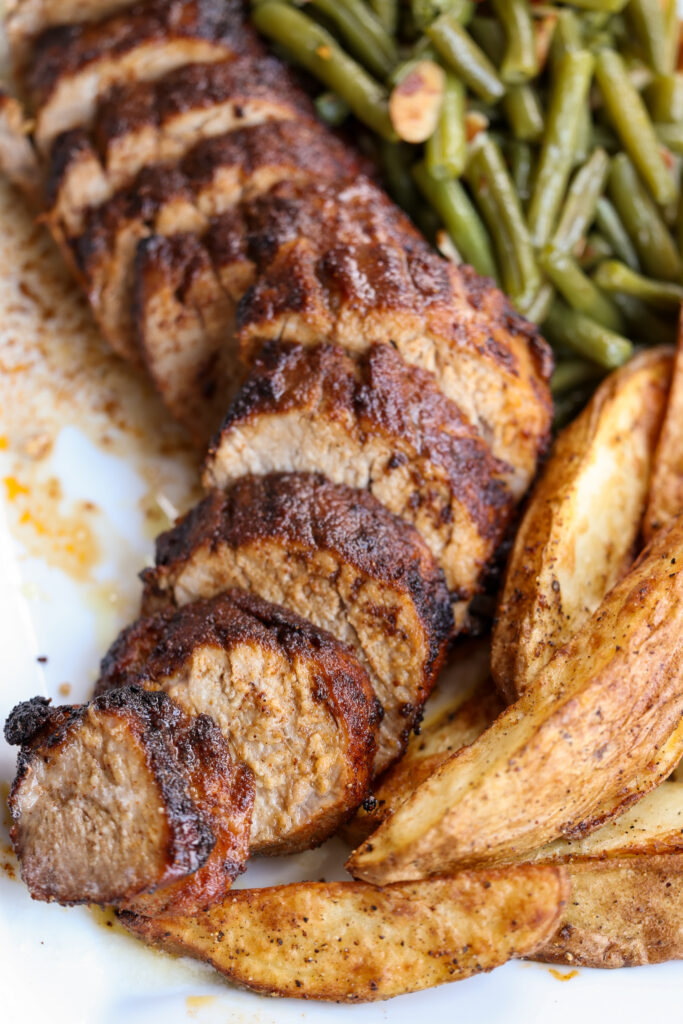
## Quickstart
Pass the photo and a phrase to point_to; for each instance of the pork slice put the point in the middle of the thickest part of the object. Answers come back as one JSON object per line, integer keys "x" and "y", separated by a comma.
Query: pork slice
{"x": 18, "y": 159}
{"x": 168, "y": 198}
{"x": 74, "y": 65}
{"x": 184, "y": 328}
{"x": 292, "y": 702}
{"x": 373, "y": 423}
{"x": 335, "y": 264}
{"x": 147, "y": 122}
{"x": 26, "y": 19}
{"x": 127, "y": 801}
{"x": 333, "y": 555}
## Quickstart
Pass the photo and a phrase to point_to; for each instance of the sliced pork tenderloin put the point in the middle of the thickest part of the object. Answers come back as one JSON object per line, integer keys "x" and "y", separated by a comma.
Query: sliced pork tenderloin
{"x": 173, "y": 198}
{"x": 27, "y": 19}
{"x": 142, "y": 123}
{"x": 333, "y": 555}
{"x": 337, "y": 264}
{"x": 128, "y": 801}
{"x": 373, "y": 423}
{"x": 184, "y": 329}
{"x": 292, "y": 702}
{"x": 74, "y": 65}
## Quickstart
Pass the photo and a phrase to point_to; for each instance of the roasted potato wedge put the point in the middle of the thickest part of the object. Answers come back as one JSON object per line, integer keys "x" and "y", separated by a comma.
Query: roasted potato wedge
{"x": 666, "y": 487}
{"x": 601, "y": 726}
{"x": 352, "y": 942}
{"x": 578, "y": 535}
{"x": 459, "y": 721}
{"x": 653, "y": 825}
{"x": 623, "y": 912}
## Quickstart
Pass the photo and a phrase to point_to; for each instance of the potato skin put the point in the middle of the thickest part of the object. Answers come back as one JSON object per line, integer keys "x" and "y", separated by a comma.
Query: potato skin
{"x": 352, "y": 942}
{"x": 623, "y": 912}
{"x": 578, "y": 534}
{"x": 601, "y": 726}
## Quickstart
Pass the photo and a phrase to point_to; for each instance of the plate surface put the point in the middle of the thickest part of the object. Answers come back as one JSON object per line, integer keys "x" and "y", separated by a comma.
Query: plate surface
{"x": 90, "y": 472}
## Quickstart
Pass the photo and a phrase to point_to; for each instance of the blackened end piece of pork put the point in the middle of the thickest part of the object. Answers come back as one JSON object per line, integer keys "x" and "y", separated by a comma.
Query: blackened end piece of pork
{"x": 142, "y": 123}
{"x": 292, "y": 702}
{"x": 372, "y": 423}
{"x": 174, "y": 198}
{"x": 335, "y": 556}
{"x": 338, "y": 264}
{"x": 113, "y": 803}
{"x": 184, "y": 326}
{"x": 73, "y": 65}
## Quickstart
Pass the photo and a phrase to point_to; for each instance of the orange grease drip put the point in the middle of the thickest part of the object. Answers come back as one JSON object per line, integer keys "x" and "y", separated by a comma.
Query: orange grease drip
{"x": 563, "y": 975}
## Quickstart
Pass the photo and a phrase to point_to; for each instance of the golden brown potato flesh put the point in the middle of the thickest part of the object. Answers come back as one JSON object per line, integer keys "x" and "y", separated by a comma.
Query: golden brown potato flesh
{"x": 600, "y": 727}
{"x": 578, "y": 535}
{"x": 623, "y": 912}
{"x": 666, "y": 486}
{"x": 352, "y": 942}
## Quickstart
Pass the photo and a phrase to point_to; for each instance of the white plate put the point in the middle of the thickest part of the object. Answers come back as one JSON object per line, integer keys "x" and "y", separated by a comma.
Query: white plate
{"x": 89, "y": 468}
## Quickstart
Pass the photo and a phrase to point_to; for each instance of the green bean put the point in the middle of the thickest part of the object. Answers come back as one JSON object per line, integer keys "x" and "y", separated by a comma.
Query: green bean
{"x": 614, "y": 276}
{"x": 567, "y": 36}
{"x": 595, "y": 249}
{"x": 314, "y": 48}
{"x": 578, "y": 212}
{"x": 386, "y": 12}
{"x": 616, "y": 234}
{"x": 671, "y": 136}
{"x": 578, "y": 290}
{"x": 665, "y": 98}
{"x": 672, "y": 24}
{"x": 610, "y": 6}
{"x": 569, "y": 94}
{"x": 566, "y": 327}
{"x": 331, "y": 109}
{"x": 460, "y": 219}
{"x": 521, "y": 163}
{"x": 446, "y": 150}
{"x": 396, "y": 162}
{"x": 423, "y": 13}
{"x": 495, "y": 195}
{"x": 537, "y": 310}
{"x": 524, "y": 112}
{"x": 649, "y": 25}
{"x": 630, "y": 118}
{"x": 584, "y": 137}
{"x": 571, "y": 374}
{"x": 362, "y": 32}
{"x": 519, "y": 60}
{"x": 643, "y": 324}
{"x": 462, "y": 54}
{"x": 643, "y": 221}
{"x": 488, "y": 33}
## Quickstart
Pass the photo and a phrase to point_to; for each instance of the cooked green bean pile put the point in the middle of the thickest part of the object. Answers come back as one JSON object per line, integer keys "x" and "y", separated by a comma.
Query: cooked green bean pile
{"x": 541, "y": 143}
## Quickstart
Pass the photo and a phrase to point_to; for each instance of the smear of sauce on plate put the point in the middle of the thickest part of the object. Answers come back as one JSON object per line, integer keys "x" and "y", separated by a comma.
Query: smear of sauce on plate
{"x": 193, "y": 1004}
{"x": 562, "y": 975}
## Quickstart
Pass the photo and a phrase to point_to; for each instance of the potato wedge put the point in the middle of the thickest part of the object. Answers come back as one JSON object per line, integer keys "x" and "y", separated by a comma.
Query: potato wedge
{"x": 602, "y": 726}
{"x": 623, "y": 912}
{"x": 352, "y": 942}
{"x": 666, "y": 487}
{"x": 459, "y": 721}
{"x": 653, "y": 825}
{"x": 578, "y": 535}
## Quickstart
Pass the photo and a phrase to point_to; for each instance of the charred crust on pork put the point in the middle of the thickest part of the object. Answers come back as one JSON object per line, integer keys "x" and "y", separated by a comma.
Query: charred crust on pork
{"x": 66, "y": 49}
